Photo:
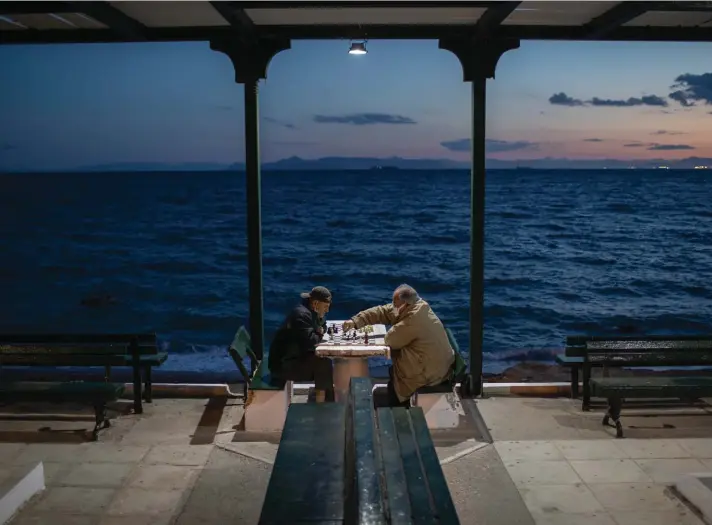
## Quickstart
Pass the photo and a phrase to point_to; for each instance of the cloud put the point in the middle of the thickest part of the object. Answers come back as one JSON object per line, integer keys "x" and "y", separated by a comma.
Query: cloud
{"x": 491, "y": 145}
{"x": 363, "y": 119}
{"x": 293, "y": 142}
{"x": 691, "y": 89}
{"x": 278, "y": 122}
{"x": 593, "y": 140}
{"x": 645, "y": 100}
{"x": 562, "y": 99}
{"x": 669, "y": 147}
{"x": 665, "y": 132}
{"x": 633, "y": 145}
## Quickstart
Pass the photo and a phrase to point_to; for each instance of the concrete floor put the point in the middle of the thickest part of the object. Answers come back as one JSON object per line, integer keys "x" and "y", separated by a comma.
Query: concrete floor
{"x": 183, "y": 462}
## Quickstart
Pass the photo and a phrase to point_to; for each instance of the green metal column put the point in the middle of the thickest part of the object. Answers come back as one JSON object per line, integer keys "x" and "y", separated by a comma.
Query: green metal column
{"x": 250, "y": 57}
{"x": 477, "y": 230}
{"x": 478, "y": 58}
{"x": 253, "y": 194}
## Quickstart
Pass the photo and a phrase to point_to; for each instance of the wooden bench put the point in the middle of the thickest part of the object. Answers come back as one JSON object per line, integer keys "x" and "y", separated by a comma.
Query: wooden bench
{"x": 97, "y": 394}
{"x": 440, "y": 403}
{"x": 307, "y": 480}
{"x": 138, "y": 351}
{"x": 393, "y": 472}
{"x": 350, "y": 464}
{"x": 573, "y": 359}
{"x": 267, "y": 399}
{"x": 653, "y": 351}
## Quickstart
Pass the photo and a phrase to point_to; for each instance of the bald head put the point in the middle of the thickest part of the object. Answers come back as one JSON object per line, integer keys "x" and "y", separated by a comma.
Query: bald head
{"x": 405, "y": 294}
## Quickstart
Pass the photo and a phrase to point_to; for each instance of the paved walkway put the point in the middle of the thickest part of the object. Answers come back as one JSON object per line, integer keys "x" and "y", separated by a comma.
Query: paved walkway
{"x": 179, "y": 463}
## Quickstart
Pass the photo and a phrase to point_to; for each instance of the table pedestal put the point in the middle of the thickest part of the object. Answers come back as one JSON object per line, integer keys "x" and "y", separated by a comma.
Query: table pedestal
{"x": 344, "y": 369}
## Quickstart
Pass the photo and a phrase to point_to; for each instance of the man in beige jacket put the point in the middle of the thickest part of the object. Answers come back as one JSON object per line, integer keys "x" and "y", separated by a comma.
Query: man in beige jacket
{"x": 420, "y": 350}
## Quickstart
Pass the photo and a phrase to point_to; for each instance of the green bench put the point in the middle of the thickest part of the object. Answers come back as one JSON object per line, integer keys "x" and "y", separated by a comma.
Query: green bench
{"x": 368, "y": 466}
{"x": 97, "y": 394}
{"x": 393, "y": 472}
{"x": 138, "y": 351}
{"x": 261, "y": 379}
{"x": 652, "y": 351}
{"x": 572, "y": 359}
{"x": 267, "y": 398}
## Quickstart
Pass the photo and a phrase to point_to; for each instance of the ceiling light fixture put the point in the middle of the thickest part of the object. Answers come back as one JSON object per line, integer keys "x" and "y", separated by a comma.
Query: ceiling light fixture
{"x": 358, "y": 48}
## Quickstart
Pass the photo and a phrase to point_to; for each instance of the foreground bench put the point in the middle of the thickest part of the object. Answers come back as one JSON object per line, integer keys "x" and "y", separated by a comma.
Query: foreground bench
{"x": 307, "y": 480}
{"x": 649, "y": 352}
{"x": 95, "y": 394}
{"x": 266, "y": 398}
{"x": 138, "y": 351}
{"x": 394, "y": 471}
{"x": 351, "y": 464}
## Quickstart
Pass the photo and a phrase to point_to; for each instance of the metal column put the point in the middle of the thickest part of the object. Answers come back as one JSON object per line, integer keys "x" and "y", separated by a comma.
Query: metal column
{"x": 253, "y": 194}
{"x": 477, "y": 231}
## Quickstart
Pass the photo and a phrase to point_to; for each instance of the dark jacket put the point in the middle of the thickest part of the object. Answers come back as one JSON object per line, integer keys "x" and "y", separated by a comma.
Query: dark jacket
{"x": 296, "y": 338}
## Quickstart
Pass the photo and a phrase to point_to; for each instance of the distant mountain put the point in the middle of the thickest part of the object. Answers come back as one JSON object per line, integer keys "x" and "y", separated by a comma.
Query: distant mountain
{"x": 393, "y": 163}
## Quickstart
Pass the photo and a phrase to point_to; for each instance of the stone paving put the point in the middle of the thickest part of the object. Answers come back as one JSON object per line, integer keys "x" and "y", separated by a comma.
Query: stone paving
{"x": 182, "y": 462}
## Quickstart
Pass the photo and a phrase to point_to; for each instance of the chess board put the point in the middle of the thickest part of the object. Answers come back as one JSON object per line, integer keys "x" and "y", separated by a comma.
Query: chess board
{"x": 376, "y": 334}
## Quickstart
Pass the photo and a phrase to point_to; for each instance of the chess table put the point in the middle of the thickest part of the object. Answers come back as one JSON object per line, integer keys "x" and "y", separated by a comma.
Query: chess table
{"x": 350, "y": 352}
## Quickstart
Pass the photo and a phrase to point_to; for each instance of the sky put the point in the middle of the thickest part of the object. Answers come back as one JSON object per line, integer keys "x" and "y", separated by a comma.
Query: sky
{"x": 67, "y": 106}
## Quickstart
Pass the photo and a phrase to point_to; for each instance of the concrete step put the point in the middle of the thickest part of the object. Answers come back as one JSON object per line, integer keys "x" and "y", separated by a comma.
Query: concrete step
{"x": 18, "y": 488}
{"x": 697, "y": 489}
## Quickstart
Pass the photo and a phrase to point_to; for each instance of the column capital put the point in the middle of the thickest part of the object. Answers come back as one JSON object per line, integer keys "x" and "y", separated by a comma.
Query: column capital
{"x": 478, "y": 56}
{"x": 250, "y": 58}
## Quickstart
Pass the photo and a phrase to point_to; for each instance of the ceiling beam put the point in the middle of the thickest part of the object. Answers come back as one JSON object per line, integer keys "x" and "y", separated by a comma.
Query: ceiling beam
{"x": 34, "y": 8}
{"x": 615, "y": 17}
{"x": 173, "y": 34}
{"x": 490, "y": 21}
{"x": 121, "y": 24}
{"x": 238, "y": 19}
{"x": 360, "y": 4}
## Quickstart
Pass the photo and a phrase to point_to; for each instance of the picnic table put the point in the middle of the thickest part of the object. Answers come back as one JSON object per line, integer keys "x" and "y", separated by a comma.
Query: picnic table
{"x": 350, "y": 356}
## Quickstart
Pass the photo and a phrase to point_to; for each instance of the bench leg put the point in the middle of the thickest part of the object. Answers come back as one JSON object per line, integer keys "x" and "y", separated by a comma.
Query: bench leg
{"x": 574, "y": 382}
{"x": 586, "y": 402}
{"x": 148, "y": 382}
{"x": 615, "y": 404}
{"x": 138, "y": 407}
{"x": 101, "y": 421}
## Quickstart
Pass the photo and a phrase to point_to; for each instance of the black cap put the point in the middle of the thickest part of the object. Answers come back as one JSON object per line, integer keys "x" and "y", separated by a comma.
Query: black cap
{"x": 318, "y": 293}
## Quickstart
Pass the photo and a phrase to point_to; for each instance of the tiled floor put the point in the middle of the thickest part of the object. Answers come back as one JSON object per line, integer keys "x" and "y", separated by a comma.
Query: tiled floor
{"x": 605, "y": 482}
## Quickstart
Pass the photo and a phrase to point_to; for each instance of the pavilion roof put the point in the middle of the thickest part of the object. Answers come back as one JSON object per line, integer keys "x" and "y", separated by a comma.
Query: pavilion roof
{"x": 90, "y": 22}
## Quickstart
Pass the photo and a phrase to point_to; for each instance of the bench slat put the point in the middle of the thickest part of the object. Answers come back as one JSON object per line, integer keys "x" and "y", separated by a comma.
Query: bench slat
{"x": 418, "y": 490}
{"x": 440, "y": 493}
{"x": 662, "y": 387}
{"x": 307, "y": 481}
{"x": 645, "y": 345}
{"x": 398, "y": 500}
{"x": 149, "y": 339}
{"x": 72, "y": 348}
{"x": 650, "y": 359}
{"x": 73, "y": 360}
{"x": 364, "y": 497}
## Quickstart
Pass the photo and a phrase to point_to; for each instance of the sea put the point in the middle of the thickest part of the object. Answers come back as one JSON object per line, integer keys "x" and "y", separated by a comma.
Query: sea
{"x": 566, "y": 252}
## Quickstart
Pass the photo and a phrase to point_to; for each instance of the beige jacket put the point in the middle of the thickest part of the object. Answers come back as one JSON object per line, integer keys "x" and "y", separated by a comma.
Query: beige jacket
{"x": 420, "y": 350}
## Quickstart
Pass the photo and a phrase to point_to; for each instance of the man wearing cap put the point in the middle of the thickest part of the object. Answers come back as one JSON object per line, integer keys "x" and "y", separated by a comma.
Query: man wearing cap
{"x": 291, "y": 354}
